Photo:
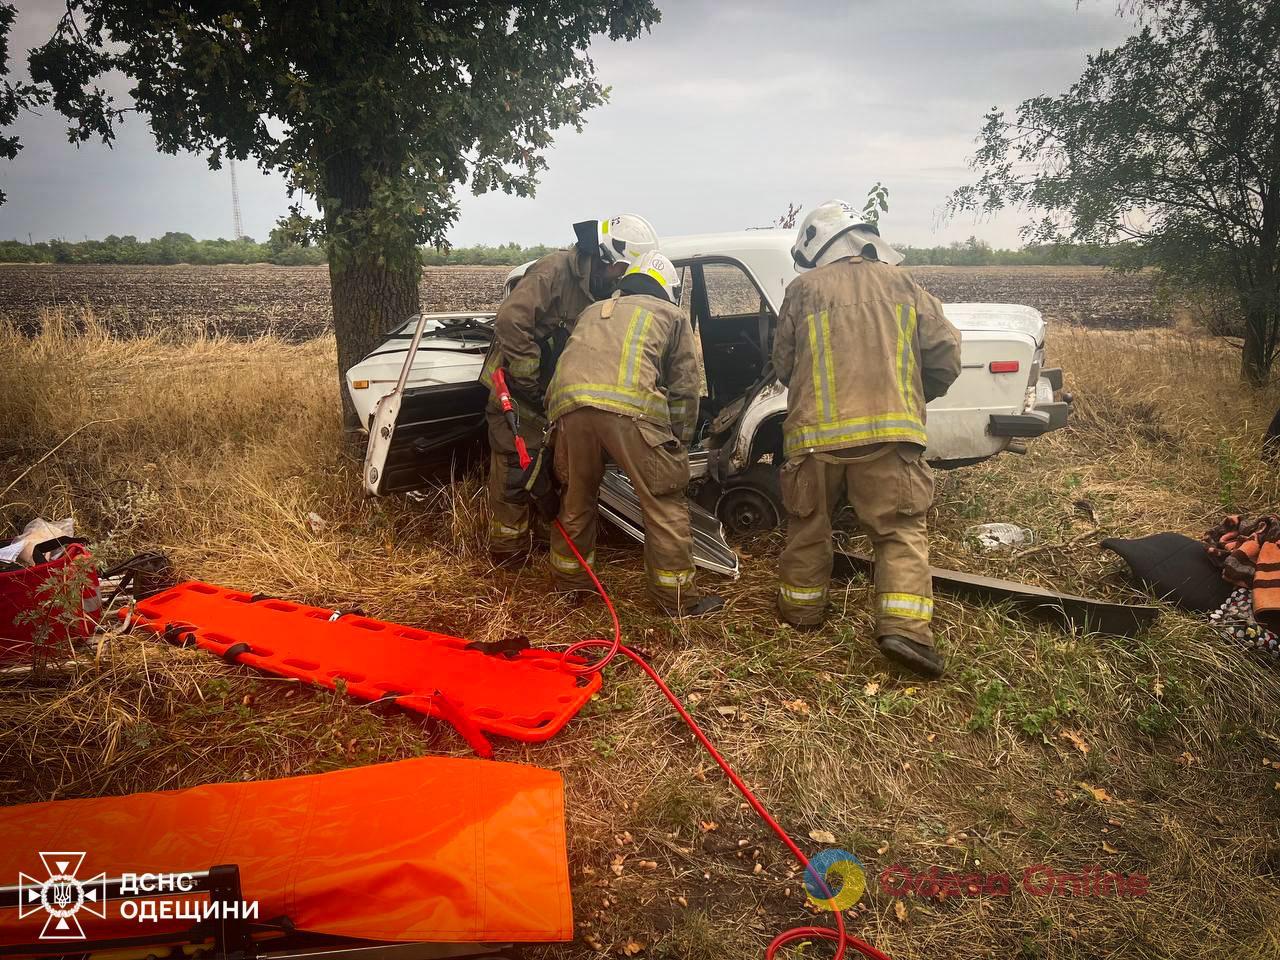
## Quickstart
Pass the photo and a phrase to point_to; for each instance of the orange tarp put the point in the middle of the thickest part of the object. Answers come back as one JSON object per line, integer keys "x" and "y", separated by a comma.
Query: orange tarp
{"x": 435, "y": 849}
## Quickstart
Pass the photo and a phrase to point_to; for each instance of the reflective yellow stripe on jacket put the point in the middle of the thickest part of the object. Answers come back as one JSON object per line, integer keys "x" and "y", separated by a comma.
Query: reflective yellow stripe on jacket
{"x": 606, "y": 396}
{"x": 906, "y": 367}
{"x": 633, "y": 346}
{"x": 903, "y": 425}
{"x": 890, "y": 426}
{"x": 824, "y": 371}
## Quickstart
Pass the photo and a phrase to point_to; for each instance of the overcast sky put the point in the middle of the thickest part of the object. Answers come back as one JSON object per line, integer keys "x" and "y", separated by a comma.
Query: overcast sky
{"x": 718, "y": 118}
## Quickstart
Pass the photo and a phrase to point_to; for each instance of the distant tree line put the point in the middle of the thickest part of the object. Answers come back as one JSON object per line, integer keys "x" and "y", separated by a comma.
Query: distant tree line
{"x": 169, "y": 249}
{"x": 183, "y": 248}
{"x": 503, "y": 255}
{"x": 978, "y": 253}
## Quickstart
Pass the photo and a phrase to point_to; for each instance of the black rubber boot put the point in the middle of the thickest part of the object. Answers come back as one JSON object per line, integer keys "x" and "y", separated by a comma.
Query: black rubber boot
{"x": 911, "y": 655}
{"x": 578, "y": 596}
{"x": 503, "y": 558}
{"x": 706, "y": 605}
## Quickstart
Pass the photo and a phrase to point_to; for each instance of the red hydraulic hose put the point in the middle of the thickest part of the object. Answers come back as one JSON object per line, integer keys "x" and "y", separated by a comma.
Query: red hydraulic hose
{"x": 572, "y": 662}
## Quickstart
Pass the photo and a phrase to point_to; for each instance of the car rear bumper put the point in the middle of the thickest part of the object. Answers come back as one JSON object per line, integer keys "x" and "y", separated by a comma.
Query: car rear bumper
{"x": 1049, "y": 410}
{"x": 1034, "y": 423}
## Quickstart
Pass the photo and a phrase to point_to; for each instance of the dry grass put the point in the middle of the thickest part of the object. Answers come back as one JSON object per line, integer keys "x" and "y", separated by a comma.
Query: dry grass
{"x": 216, "y": 451}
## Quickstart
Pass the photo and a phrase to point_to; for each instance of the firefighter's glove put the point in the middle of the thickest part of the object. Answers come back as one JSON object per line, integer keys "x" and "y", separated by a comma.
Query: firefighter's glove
{"x": 525, "y": 393}
{"x": 540, "y": 487}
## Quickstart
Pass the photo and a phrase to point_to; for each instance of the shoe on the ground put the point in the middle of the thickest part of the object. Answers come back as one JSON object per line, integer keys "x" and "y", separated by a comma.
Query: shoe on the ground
{"x": 508, "y": 558}
{"x": 708, "y": 604}
{"x": 578, "y": 596}
{"x": 911, "y": 655}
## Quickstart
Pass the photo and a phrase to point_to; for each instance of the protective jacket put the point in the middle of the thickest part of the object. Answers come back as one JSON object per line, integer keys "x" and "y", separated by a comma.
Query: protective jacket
{"x": 861, "y": 348}
{"x": 548, "y": 298}
{"x": 632, "y": 355}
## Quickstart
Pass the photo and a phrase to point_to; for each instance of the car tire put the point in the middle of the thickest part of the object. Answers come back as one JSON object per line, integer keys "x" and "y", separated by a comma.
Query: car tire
{"x": 751, "y": 503}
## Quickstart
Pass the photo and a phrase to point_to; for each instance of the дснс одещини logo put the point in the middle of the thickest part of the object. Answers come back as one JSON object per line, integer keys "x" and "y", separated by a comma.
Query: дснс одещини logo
{"x": 62, "y": 894}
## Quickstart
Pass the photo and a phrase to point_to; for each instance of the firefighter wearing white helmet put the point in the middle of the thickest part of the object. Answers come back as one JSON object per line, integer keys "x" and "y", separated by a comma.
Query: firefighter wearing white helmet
{"x": 625, "y": 238}
{"x": 627, "y": 389}
{"x": 861, "y": 348}
{"x": 530, "y": 330}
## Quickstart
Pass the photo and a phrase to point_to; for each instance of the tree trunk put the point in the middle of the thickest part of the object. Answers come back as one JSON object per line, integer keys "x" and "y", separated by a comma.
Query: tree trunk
{"x": 373, "y": 276}
{"x": 368, "y": 299}
{"x": 1255, "y": 364}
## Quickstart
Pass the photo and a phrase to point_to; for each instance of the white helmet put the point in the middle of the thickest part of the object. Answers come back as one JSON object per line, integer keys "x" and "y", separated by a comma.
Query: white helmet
{"x": 834, "y": 230}
{"x": 625, "y": 238}
{"x": 657, "y": 267}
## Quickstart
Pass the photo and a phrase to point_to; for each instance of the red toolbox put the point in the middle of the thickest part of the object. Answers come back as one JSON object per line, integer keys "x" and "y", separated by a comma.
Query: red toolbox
{"x": 34, "y": 614}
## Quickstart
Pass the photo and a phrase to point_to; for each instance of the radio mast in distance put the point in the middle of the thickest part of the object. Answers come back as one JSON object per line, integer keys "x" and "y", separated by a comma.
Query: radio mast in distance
{"x": 238, "y": 226}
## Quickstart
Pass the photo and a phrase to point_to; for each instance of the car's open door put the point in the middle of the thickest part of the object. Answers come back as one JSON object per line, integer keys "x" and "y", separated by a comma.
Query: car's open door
{"x": 423, "y": 433}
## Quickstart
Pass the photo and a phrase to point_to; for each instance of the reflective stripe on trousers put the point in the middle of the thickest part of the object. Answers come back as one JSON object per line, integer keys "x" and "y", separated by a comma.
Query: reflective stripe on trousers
{"x": 570, "y": 564}
{"x": 673, "y": 578}
{"x": 802, "y": 596}
{"x": 907, "y": 605}
{"x": 499, "y": 529}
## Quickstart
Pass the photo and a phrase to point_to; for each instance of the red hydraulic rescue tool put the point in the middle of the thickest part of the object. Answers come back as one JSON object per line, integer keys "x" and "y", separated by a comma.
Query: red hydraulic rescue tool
{"x": 513, "y": 419}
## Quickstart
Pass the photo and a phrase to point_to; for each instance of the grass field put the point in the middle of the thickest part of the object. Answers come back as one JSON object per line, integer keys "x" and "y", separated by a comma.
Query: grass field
{"x": 1157, "y": 756}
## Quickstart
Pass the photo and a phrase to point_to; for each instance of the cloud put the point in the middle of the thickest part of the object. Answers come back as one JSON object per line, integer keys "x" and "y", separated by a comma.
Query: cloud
{"x": 719, "y": 118}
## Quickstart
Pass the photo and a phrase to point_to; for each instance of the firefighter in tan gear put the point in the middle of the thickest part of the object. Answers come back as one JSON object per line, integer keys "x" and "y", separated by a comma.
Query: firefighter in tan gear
{"x": 861, "y": 348}
{"x": 627, "y": 388}
{"x": 530, "y": 329}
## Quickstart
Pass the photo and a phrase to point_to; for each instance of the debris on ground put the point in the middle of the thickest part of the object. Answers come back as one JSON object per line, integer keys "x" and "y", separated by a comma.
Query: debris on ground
{"x": 1173, "y": 568}
{"x": 994, "y": 537}
{"x": 40, "y": 541}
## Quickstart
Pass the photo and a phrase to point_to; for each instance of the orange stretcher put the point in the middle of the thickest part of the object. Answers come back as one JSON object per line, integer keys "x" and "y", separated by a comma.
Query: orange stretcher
{"x": 430, "y": 851}
{"x": 524, "y": 694}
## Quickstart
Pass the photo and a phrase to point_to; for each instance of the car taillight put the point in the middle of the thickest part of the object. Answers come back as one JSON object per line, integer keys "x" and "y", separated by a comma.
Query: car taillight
{"x": 1004, "y": 366}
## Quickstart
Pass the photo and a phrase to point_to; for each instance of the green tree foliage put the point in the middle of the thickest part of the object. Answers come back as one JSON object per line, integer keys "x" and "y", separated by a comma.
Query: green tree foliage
{"x": 877, "y": 202}
{"x": 376, "y": 109}
{"x": 1171, "y": 139}
{"x": 14, "y": 97}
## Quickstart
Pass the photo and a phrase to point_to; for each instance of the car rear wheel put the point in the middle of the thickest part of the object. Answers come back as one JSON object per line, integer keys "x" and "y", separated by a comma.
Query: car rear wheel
{"x": 751, "y": 504}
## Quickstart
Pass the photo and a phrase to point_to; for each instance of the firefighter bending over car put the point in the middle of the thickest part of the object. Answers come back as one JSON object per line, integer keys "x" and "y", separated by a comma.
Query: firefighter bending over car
{"x": 531, "y": 328}
{"x": 627, "y": 388}
{"x": 861, "y": 348}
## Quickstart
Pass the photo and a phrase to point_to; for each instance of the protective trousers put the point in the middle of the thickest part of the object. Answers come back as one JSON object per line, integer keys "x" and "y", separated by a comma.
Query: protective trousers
{"x": 890, "y": 487}
{"x": 508, "y": 507}
{"x": 659, "y": 471}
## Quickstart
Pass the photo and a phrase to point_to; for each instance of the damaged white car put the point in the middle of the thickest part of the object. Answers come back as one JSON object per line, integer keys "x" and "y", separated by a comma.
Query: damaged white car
{"x": 733, "y": 288}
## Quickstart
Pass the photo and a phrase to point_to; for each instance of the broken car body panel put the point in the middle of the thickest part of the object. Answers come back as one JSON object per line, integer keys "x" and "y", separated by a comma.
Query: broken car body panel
{"x": 1068, "y": 610}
